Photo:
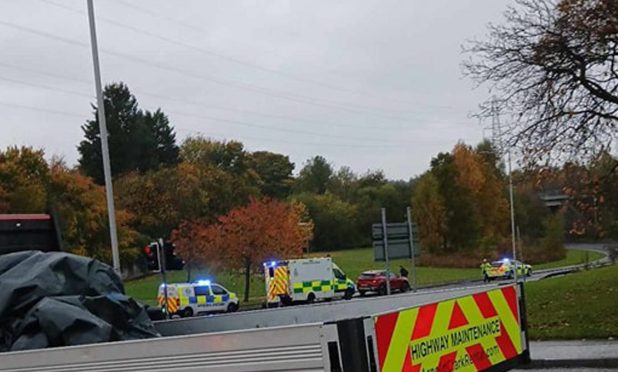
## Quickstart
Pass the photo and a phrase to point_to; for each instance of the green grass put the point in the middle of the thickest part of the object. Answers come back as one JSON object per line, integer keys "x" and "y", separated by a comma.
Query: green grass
{"x": 576, "y": 306}
{"x": 353, "y": 262}
{"x": 573, "y": 257}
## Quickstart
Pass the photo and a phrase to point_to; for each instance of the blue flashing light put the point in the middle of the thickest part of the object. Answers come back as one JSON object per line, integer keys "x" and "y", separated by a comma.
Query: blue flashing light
{"x": 203, "y": 282}
{"x": 272, "y": 263}
{"x": 506, "y": 260}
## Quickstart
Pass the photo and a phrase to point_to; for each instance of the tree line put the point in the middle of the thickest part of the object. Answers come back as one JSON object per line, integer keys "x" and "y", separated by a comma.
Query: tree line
{"x": 165, "y": 189}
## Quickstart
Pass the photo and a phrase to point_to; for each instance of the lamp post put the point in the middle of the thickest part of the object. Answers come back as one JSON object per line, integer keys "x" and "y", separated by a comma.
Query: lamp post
{"x": 107, "y": 173}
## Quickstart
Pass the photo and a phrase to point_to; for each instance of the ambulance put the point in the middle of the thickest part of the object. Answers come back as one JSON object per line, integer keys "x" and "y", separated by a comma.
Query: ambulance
{"x": 188, "y": 299}
{"x": 305, "y": 280}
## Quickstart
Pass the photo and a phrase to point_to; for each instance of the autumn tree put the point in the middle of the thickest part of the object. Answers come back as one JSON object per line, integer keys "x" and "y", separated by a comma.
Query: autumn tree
{"x": 552, "y": 67}
{"x": 82, "y": 211}
{"x": 247, "y": 236}
{"x": 463, "y": 227}
{"x": 230, "y": 163}
{"x": 24, "y": 176}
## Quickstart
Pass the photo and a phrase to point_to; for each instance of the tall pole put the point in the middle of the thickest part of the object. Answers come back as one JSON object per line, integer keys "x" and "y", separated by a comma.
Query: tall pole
{"x": 386, "y": 263}
{"x": 514, "y": 246}
{"x": 496, "y": 129}
{"x": 412, "y": 250}
{"x": 107, "y": 173}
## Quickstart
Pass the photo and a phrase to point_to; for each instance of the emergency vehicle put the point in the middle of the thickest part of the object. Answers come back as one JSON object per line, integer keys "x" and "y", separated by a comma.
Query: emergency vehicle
{"x": 505, "y": 269}
{"x": 188, "y": 299}
{"x": 305, "y": 280}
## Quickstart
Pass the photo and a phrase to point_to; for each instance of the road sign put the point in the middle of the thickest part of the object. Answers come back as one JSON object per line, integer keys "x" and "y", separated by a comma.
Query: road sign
{"x": 398, "y": 241}
{"x": 394, "y": 231}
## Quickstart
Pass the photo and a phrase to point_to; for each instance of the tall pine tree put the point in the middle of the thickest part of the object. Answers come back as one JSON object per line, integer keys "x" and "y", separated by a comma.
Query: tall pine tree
{"x": 138, "y": 140}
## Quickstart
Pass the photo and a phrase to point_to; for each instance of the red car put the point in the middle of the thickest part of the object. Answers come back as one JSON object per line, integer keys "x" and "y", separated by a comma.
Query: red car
{"x": 375, "y": 281}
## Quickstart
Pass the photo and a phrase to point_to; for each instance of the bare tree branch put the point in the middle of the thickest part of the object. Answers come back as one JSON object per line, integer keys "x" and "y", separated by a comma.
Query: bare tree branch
{"x": 552, "y": 65}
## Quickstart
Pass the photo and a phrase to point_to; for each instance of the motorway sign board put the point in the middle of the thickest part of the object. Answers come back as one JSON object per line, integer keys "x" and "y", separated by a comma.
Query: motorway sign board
{"x": 398, "y": 240}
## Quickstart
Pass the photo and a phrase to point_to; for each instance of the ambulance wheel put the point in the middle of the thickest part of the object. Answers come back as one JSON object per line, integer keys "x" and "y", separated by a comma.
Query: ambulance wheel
{"x": 310, "y": 298}
{"x": 187, "y": 312}
{"x": 231, "y": 308}
{"x": 349, "y": 293}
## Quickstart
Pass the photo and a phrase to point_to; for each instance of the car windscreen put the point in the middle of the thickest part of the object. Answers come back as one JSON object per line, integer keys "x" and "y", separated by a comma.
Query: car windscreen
{"x": 497, "y": 263}
{"x": 368, "y": 275}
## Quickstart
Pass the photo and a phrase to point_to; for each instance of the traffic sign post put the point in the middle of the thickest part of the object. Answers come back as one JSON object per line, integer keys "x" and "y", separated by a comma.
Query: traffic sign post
{"x": 412, "y": 252}
{"x": 385, "y": 240}
{"x": 396, "y": 240}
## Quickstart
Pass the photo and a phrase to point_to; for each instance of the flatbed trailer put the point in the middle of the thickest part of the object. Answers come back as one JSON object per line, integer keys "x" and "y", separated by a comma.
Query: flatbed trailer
{"x": 464, "y": 330}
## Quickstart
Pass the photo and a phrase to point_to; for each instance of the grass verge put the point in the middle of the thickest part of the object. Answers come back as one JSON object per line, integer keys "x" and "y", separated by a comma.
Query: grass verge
{"x": 576, "y": 306}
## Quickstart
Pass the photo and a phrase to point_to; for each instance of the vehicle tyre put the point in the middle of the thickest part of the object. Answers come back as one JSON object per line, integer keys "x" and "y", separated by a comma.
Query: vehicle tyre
{"x": 232, "y": 308}
{"x": 529, "y": 272}
{"x": 286, "y": 301}
{"x": 187, "y": 312}
{"x": 382, "y": 290}
{"x": 362, "y": 293}
{"x": 349, "y": 293}
{"x": 510, "y": 275}
{"x": 310, "y": 298}
{"x": 405, "y": 287}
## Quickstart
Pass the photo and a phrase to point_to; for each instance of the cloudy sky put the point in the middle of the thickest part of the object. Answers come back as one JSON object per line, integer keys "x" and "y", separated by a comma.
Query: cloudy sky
{"x": 369, "y": 84}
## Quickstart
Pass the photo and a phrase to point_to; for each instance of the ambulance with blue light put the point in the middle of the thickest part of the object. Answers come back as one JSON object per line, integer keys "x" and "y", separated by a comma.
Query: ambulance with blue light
{"x": 202, "y": 296}
{"x": 305, "y": 281}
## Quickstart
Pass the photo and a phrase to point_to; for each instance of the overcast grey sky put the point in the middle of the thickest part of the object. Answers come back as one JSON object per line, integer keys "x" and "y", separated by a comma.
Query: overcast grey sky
{"x": 369, "y": 84}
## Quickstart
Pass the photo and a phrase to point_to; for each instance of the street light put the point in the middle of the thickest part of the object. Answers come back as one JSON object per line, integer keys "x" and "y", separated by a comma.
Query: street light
{"x": 107, "y": 173}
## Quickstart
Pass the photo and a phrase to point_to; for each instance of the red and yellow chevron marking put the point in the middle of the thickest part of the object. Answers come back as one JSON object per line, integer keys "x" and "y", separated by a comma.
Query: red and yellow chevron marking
{"x": 470, "y": 333}
{"x": 173, "y": 303}
{"x": 278, "y": 284}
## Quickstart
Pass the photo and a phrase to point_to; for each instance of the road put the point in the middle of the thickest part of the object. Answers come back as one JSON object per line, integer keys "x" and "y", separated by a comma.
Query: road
{"x": 329, "y": 311}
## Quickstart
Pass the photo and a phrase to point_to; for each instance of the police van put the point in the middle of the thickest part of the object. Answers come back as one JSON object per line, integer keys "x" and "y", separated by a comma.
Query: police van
{"x": 188, "y": 299}
{"x": 305, "y": 280}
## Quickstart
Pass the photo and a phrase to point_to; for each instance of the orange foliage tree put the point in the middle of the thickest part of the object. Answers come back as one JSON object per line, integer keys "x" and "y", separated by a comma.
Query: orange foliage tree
{"x": 246, "y": 237}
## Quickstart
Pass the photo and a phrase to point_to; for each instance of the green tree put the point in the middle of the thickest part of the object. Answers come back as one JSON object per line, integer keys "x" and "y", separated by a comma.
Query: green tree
{"x": 334, "y": 221}
{"x": 429, "y": 213}
{"x": 314, "y": 176}
{"x": 462, "y": 220}
{"x": 138, "y": 141}
{"x": 275, "y": 173}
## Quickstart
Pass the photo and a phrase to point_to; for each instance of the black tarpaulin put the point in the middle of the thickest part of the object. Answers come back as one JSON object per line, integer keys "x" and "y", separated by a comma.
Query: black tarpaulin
{"x": 59, "y": 299}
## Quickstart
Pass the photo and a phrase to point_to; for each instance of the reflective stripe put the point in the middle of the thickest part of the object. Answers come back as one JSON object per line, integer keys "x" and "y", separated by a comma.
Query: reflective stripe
{"x": 278, "y": 284}
{"x": 312, "y": 286}
{"x": 173, "y": 303}
{"x": 471, "y": 333}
